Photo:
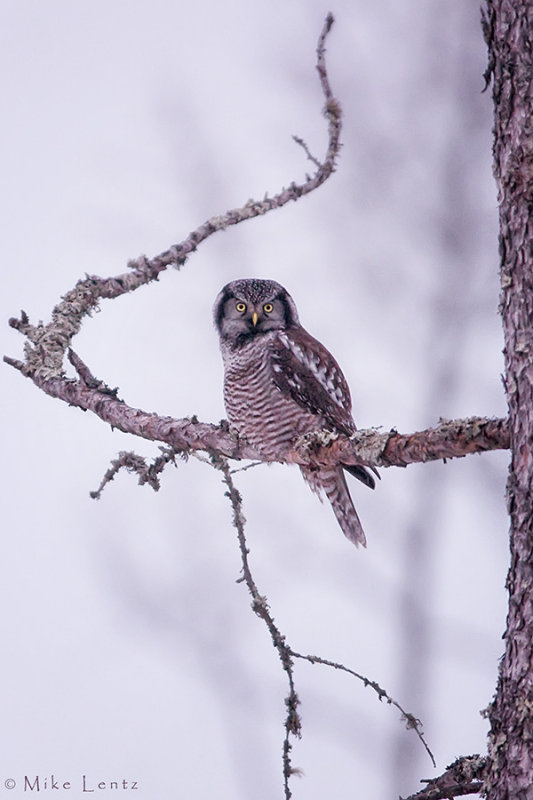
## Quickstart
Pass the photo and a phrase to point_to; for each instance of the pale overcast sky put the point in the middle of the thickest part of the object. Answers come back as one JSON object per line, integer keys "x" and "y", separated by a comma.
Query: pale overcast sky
{"x": 130, "y": 652}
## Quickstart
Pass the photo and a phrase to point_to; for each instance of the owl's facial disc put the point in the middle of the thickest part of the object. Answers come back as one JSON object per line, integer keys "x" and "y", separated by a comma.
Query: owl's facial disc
{"x": 259, "y": 317}
{"x": 250, "y": 307}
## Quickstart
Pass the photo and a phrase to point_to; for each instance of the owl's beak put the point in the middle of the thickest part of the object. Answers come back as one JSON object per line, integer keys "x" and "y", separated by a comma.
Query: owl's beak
{"x": 255, "y": 317}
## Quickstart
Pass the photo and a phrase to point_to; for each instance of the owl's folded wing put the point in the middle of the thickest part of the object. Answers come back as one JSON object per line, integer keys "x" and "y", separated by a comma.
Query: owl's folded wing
{"x": 308, "y": 373}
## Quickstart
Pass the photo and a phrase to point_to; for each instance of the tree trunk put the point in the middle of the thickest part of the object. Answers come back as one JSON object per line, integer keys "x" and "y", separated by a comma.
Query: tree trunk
{"x": 508, "y": 29}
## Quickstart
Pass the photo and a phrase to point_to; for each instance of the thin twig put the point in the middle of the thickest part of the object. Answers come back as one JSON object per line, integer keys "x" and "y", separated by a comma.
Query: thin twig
{"x": 261, "y": 608}
{"x": 287, "y": 653}
{"x": 299, "y": 141}
{"x": 87, "y": 377}
{"x": 246, "y": 467}
{"x": 148, "y": 473}
{"x": 411, "y": 721}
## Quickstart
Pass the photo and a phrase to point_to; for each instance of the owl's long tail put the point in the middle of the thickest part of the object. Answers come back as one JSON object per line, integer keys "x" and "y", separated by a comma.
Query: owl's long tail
{"x": 332, "y": 482}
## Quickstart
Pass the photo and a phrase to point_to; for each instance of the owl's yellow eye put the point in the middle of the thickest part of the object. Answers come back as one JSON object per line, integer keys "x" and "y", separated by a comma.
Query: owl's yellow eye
{"x": 268, "y": 308}
{"x": 241, "y": 307}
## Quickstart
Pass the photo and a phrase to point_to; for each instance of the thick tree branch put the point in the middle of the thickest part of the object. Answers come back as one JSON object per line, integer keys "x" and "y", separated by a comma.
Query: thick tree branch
{"x": 449, "y": 439}
{"x": 465, "y": 776}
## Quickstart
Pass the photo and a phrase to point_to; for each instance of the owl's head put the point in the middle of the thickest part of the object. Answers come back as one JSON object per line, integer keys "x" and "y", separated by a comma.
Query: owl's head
{"x": 252, "y": 307}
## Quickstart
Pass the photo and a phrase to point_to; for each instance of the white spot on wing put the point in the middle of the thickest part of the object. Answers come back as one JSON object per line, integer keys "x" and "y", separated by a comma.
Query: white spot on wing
{"x": 325, "y": 373}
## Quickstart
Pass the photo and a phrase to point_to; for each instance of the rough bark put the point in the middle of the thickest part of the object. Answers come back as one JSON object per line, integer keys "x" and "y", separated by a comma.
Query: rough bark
{"x": 508, "y": 30}
{"x": 463, "y": 777}
{"x": 449, "y": 439}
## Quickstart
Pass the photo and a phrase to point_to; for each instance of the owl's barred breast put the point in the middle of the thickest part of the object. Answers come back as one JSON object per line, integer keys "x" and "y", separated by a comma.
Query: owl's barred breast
{"x": 256, "y": 408}
{"x": 281, "y": 383}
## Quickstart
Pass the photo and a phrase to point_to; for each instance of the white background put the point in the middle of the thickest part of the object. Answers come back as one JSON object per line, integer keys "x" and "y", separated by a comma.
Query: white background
{"x": 129, "y": 650}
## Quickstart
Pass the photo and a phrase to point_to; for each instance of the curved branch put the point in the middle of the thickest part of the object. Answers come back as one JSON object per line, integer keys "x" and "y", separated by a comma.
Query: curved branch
{"x": 47, "y": 344}
{"x": 411, "y": 722}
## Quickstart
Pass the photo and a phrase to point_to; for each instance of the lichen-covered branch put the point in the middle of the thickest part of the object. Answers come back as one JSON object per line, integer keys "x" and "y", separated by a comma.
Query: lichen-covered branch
{"x": 260, "y": 606}
{"x": 47, "y": 345}
{"x": 463, "y": 777}
{"x": 449, "y": 439}
{"x": 147, "y": 473}
{"x": 411, "y": 722}
{"x": 286, "y": 653}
